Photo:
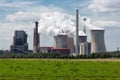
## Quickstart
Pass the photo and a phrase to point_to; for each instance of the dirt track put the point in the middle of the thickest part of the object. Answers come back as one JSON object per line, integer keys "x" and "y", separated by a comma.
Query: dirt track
{"x": 107, "y": 60}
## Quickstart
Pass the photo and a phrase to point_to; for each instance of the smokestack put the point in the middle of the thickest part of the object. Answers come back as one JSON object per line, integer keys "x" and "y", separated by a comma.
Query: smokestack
{"x": 97, "y": 41}
{"x": 36, "y": 39}
{"x": 36, "y": 26}
{"x": 77, "y": 26}
{"x": 60, "y": 41}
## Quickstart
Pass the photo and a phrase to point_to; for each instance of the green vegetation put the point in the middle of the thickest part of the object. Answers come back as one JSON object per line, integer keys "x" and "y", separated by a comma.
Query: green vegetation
{"x": 56, "y": 69}
{"x": 115, "y": 54}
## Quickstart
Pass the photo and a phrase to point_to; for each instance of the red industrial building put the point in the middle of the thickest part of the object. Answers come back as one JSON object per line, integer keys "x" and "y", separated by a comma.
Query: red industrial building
{"x": 61, "y": 50}
{"x": 56, "y": 50}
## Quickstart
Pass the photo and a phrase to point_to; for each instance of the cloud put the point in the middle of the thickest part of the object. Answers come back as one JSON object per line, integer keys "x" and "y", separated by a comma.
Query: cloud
{"x": 31, "y": 14}
{"x": 16, "y": 4}
{"x": 88, "y": 23}
{"x": 51, "y": 21}
{"x": 23, "y": 16}
{"x": 56, "y": 23}
{"x": 109, "y": 23}
{"x": 105, "y": 6}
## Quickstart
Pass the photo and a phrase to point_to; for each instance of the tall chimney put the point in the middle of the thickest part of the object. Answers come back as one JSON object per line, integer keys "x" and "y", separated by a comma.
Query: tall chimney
{"x": 36, "y": 39}
{"x": 77, "y": 26}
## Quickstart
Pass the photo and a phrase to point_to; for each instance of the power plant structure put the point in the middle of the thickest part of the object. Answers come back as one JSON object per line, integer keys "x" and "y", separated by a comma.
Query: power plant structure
{"x": 63, "y": 43}
{"x": 70, "y": 42}
{"x": 20, "y": 44}
{"x": 85, "y": 48}
{"x": 36, "y": 39}
{"x": 77, "y": 27}
{"x": 97, "y": 41}
{"x": 82, "y": 38}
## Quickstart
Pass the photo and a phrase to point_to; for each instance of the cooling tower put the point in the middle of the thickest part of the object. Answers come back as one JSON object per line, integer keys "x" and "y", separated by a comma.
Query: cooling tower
{"x": 82, "y": 39}
{"x": 97, "y": 41}
{"x": 70, "y": 43}
{"x": 60, "y": 41}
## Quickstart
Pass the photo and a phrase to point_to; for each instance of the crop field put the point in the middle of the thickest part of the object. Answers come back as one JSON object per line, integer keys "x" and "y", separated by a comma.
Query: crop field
{"x": 59, "y": 69}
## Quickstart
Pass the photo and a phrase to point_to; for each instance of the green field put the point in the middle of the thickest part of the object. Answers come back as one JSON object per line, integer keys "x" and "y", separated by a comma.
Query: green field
{"x": 46, "y": 69}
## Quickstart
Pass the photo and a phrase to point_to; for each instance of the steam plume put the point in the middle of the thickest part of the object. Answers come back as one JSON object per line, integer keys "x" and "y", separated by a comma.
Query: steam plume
{"x": 87, "y": 22}
{"x": 54, "y": 23}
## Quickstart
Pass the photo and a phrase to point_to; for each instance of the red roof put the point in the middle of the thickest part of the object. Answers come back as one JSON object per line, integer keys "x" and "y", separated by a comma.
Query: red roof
{"x": 45, "y": 47}
{"x": 61, "y": 49}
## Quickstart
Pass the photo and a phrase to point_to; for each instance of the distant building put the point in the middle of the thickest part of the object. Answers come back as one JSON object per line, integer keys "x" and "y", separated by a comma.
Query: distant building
{"x": 55, "y": 50}
{"x": 61, "y": 50}
{"x": 45, "y": 49}
{"x": 85, "y": 48}
{"x": 20, "y": 44}
{"x": 36, "y": 39}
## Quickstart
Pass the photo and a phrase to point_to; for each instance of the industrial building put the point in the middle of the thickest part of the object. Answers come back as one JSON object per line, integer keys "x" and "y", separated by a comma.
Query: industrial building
{"x": 45, "y": 49}
{"x": 85, "y": 48}
{"x": 56, "y": 50}
{"x": 63, "y": 43}
{"x": 20, "y": 44}
{"x": 36, "y": 39}
{"x": 61, "y": 50}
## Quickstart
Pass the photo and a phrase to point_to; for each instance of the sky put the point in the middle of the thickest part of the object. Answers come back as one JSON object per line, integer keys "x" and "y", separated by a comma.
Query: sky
{"x": 54, "y": 14}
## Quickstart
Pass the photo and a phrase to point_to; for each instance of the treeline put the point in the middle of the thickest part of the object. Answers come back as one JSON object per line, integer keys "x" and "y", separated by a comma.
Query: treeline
{"x": 61, "y": 56}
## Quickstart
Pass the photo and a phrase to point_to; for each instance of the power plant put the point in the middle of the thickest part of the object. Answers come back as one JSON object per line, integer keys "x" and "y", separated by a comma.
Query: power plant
{"x": 63, "y": 43}
{"x": 97, "y": 41}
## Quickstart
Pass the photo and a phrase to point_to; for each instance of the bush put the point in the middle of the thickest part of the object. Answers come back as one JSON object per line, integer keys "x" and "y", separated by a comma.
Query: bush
{"x": 61, "y": 56}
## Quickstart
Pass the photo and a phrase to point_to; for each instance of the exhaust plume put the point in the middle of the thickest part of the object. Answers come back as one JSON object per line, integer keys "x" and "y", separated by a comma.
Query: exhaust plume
{"x": 55, "y": 23}
{"x": 87, "y": 22}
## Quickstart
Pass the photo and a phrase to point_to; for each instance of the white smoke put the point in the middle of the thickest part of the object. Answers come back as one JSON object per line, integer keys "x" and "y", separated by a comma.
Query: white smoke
{"x": 87, "y": 22}
{"x": 54, "y": 23}
{"x": 81, "y": 33}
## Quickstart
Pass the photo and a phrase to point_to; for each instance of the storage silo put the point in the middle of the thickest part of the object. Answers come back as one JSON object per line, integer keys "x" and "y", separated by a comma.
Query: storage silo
{"x": 97, "y": 41}
{"x": 60, "y": 41}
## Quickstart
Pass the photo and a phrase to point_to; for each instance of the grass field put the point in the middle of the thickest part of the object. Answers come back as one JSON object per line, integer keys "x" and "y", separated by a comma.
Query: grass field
{"x": 48, "y": 69}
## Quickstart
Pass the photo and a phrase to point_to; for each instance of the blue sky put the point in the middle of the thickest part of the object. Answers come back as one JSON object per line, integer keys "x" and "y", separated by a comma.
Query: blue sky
{"x": 21, "y": 14}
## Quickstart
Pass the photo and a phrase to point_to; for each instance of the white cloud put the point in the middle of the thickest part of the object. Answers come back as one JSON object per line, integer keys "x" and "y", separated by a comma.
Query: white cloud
{"x": 16, "y": 3}
{"x": 102, "y": 23}
{"x": 22, "y": 16}
{"x": 105, "y": 6}
{"x": 31, "y": 14}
